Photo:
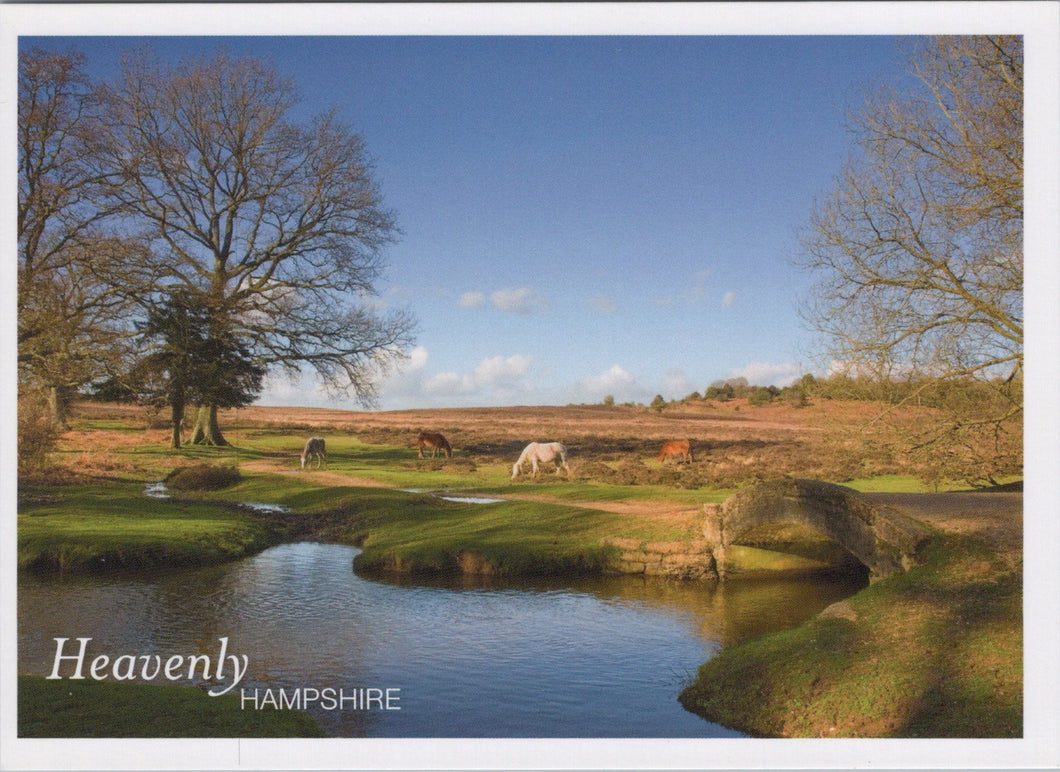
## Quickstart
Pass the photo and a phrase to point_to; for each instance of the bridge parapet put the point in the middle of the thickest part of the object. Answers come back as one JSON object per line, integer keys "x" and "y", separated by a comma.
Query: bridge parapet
{"x": 883, "y": 539}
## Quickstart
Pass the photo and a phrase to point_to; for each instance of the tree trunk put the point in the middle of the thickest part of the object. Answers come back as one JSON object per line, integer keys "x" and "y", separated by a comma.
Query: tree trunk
{"x": 178, "y": 421}
{"x": 59, "y": 399}
{"x": 207, "y": 431}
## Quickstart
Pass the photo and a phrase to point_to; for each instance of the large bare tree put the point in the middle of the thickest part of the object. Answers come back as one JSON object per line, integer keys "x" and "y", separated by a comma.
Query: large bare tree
{"x": 276, "y": 221}
{"x": 70, "y": 318}
{"x": 919, "y": 250}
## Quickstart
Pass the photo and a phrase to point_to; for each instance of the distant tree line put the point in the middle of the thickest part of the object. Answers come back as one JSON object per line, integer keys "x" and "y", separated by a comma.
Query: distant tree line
{"x": 181, "y": 235}
{"x": 975, "y": 449}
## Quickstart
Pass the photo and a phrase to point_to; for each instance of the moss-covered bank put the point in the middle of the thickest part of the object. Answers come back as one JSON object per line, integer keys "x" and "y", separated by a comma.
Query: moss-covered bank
{"x": 65, "y": 708}
{"x": 115, "y": 527}
{"x": 935, "y": 652}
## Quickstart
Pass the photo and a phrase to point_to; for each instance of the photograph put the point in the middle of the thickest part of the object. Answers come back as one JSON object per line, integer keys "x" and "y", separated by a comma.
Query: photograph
{"x": 530, "y": 385}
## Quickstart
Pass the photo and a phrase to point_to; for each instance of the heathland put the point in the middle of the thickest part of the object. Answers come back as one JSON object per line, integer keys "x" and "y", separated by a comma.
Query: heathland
{"x": 935, "y": 652}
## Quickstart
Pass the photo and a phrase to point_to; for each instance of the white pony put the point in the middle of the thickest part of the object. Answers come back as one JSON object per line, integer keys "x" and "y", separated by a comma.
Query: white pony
{"x": 541, "y": 453}
{"x": 314, "y": 451}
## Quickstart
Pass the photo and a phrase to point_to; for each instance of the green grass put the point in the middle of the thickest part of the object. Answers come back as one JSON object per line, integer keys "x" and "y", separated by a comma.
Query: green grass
{"x": 100, "y": 527}
{"x": 65, "y": 708}
{"x": 935, "y": 652}
{"x": 420, "y": 532}
{"x": 583, "y": 491}
{"x": 511, "y": 537}
{"x": 751, "y": 560}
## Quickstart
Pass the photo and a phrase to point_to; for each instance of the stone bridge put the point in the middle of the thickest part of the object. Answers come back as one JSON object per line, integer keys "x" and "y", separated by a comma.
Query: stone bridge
{"x": 880, "y": 537}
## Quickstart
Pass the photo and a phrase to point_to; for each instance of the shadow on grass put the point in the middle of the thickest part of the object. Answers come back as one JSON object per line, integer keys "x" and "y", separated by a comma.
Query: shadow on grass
{"x": 936, "y": 652}
{"x": 99, "y": 709}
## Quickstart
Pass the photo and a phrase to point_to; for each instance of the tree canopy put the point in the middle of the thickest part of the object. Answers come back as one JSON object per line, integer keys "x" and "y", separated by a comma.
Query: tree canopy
{"x": 918, "y": 252}
{"x": 201, "y": 178}
{"x": 71, "y": 319}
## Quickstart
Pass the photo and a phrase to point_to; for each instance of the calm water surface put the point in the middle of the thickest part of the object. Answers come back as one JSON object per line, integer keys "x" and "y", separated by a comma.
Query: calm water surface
{"x": 603, "y": 657}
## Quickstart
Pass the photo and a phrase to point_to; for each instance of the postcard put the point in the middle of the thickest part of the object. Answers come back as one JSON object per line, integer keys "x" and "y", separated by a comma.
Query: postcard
{"x": 530, "y": 386}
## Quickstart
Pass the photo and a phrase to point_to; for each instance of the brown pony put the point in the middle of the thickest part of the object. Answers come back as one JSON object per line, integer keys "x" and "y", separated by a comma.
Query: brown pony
{"x": 434, "y": 441}
{"x": 682, "y": 448}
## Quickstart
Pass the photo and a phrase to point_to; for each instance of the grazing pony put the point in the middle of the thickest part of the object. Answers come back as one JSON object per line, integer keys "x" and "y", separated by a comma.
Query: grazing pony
{"x": 541, "y": 453}
{"x": 682, "y": 448}
{"x": 434, "y": 441}
{"x": 314, "y": 451}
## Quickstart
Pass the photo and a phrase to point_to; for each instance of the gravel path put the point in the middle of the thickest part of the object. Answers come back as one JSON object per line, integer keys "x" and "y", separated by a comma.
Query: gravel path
{"x": 994, "y": 517}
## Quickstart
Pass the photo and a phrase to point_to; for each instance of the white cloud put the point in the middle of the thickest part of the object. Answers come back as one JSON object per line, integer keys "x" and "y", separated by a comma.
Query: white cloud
{"x": 728, "y": 299}
{"x": 472, "y": 300}
{"x": 675, "y": 384}
{"x": 498, "y": 369}
{"x": 770, "y": 374}
{"x": 521, "y": 301}
{"x": 492, "y": 373}
{"x": 865, "y": 370}
{"x": 603, "y": 304}
{"x": 614, "y": 377}
{"x": 616, "y": 382}
{"x": 416, "y": 361}
{"x": 496, "y": 380}
{"x": 302, "y": 390}
{"x": 445, "y": 383}
{"x": 405, "y": 381}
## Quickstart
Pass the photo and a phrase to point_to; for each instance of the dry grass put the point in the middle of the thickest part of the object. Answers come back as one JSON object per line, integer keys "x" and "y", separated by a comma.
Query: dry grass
{"x": 733, "y": 442}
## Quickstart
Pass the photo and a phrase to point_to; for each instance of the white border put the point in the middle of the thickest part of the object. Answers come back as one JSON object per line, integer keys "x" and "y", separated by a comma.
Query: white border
{"x": 1039, "y": 22}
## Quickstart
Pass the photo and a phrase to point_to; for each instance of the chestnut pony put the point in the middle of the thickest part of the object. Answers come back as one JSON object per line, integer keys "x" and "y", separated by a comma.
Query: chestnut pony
{"x": 435, "y": 442}
{"x": 682, "y": 448}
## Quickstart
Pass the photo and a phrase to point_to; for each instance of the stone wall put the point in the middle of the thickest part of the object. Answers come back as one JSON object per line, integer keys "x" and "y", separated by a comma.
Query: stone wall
{"x": 693, "y": 559}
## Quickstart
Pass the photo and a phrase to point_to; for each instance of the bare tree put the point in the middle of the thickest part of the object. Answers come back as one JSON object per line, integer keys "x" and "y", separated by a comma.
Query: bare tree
{"x": 278, "y": 224}
{"x": 70, "y": 320}
{"x": 919, "y": 250}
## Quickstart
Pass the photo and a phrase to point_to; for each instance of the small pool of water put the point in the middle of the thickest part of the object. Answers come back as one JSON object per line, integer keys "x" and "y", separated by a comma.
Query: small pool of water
{"x": 470, "y": 499}
{"x": 158, "y": 490}
{"x": 458, "y": 499}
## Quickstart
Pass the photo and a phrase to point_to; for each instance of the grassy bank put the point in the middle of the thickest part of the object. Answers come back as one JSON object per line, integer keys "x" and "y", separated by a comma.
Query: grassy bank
{"x": 935, "y": 652}
{"x": 112, "y": 527}
{"x": 506, "y": 538}
{"x": 115, "y": 526}
{"x": 65, "y": 708}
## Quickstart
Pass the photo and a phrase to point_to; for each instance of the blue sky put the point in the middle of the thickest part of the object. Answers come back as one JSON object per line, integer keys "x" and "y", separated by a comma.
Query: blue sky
{"x": 582, "y": 216}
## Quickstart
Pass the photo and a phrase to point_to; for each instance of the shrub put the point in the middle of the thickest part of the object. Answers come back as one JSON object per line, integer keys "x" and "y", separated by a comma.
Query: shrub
{"x": 795, "y": 396}
{"x": 760, "y": 396}
{"x": 202, "y": 477}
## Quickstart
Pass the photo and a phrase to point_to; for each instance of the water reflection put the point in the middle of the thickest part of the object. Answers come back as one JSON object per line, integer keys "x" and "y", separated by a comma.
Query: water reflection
{"x": 473, "y": 657}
